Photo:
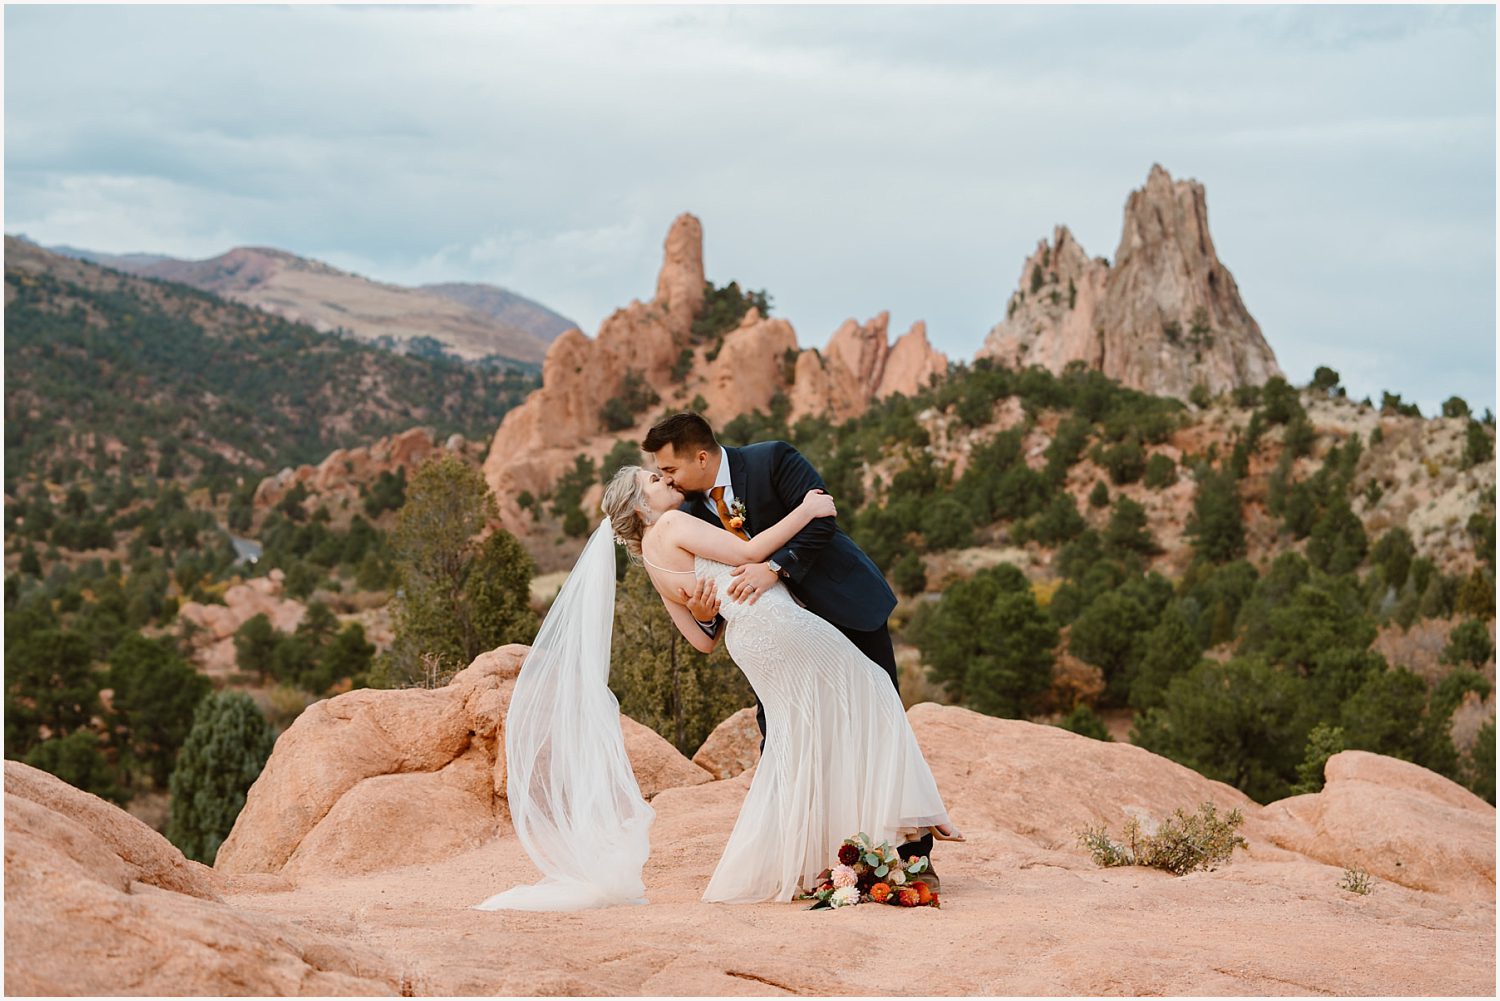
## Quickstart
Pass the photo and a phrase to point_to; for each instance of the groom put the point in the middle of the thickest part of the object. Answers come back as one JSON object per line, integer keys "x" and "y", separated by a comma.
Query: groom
{"x": 744, "y": 490}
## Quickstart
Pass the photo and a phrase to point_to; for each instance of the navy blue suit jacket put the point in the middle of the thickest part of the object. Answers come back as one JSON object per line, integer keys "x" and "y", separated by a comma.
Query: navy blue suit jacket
{"x": 825, "y": 569}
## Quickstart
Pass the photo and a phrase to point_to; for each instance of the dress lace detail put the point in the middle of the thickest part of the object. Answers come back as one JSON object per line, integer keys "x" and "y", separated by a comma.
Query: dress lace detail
{"x": 840, "y": 756}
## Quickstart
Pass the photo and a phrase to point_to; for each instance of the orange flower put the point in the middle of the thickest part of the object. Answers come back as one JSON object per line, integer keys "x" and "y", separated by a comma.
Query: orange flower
{"x": 736, "y": 522}
{"x": 880, "y": 892}
{"x": 908, "y": 897}
{"x": 924, "y": 892}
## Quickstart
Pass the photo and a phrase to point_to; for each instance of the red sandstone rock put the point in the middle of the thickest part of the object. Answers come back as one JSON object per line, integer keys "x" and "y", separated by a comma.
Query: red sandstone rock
{"x": 733, "y": 746}
{"x": 372, "y": 779}
{"x": 97, "y": 903}
{"x": 1024, "y": 908}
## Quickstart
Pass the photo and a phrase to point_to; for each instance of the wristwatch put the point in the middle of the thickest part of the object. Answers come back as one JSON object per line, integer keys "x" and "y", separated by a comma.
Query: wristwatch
{"x": 775, "y": 568}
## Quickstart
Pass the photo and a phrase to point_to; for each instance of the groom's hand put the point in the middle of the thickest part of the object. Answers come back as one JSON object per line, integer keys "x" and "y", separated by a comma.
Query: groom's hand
{"x": 702, "y": 601}
{"x": 750, "y": 582}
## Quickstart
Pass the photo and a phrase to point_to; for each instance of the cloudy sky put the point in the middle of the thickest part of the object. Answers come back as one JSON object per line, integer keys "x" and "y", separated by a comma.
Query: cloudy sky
{"x": 848, "y": 160}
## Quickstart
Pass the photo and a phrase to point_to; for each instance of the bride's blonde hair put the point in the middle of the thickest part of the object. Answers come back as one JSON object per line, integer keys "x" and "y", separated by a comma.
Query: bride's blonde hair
{"x": 623, "y": 499}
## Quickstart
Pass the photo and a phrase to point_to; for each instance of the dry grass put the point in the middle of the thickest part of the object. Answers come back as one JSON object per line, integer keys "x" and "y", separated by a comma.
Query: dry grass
{"x": 1356, "y": 880}
{"x": 1179, "y": 845}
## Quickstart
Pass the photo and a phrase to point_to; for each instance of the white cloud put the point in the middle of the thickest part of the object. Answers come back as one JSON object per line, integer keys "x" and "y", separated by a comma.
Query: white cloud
{"x": 848, "y": 160}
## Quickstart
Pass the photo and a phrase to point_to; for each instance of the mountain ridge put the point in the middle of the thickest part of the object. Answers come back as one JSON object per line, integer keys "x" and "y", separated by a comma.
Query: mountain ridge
{"x": 475, "y": 321}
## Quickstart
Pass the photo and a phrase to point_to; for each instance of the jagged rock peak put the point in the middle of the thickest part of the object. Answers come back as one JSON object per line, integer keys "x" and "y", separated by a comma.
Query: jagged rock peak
{"x": 1166, "y": 316}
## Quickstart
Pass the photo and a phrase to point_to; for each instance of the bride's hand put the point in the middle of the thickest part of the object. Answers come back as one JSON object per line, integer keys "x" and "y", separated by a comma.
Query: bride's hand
{"x": 820, "y": 504}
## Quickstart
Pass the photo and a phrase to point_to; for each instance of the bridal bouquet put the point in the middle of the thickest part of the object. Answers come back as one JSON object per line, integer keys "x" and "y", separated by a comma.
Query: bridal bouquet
{"x": 867, "y": 873}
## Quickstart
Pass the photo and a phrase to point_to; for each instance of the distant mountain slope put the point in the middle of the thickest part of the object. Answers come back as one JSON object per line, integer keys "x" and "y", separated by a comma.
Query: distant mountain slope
{"x": 97, "y": 360}
{"x": 506, "y": 306}
{"x": 504, "y": 326}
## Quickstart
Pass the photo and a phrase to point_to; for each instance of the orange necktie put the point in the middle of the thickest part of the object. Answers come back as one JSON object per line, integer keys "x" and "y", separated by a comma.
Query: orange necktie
{"x": 717, "y": 493}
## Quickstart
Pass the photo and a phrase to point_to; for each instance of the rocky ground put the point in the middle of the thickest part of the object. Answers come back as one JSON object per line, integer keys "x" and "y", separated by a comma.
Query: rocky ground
{"x": 377, "y": 824}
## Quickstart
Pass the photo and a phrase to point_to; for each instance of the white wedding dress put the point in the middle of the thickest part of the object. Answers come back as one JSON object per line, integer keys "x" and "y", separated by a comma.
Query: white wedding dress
{"x": 840, "y": 756}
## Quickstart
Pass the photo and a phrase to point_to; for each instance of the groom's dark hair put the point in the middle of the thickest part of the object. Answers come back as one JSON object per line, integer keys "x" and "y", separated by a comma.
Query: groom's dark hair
{"x": 685, "y": 432}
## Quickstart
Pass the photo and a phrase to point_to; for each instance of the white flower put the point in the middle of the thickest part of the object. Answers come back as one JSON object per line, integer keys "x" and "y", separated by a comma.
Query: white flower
{"x": 897, "y": 876}
{"x": 843, "y": 876}
{"x": 844, "y": 896}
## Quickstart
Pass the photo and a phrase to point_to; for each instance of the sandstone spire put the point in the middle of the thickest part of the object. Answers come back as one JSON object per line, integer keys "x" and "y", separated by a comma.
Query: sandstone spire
{"x": 679, "y": 286}
{"x": 1165, "y": 316}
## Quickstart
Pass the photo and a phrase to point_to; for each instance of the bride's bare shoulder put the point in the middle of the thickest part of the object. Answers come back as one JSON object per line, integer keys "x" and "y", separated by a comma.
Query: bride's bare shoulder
{"x": 670, "y": 519}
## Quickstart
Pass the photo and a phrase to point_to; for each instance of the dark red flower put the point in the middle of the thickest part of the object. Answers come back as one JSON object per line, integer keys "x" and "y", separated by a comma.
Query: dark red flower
{"x": 848, "y": 854}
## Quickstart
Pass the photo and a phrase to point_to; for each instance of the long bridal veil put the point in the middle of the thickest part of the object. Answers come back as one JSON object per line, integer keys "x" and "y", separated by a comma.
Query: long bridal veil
{"x": 574, "y": 800}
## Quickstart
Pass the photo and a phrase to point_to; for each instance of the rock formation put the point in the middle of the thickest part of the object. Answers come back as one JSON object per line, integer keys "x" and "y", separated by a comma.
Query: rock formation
{"x": 97, "y": 903}
{"x": 340, "y": 475}
{"x": 860, "y": 365}
{"x": 754, "y": 362}
{"x": 380, "y": 820}
{"x": 215, "y": 624}
{"x": 1166, "y": 316}
{"x": 403, "y": 777}
{"x": 733, "y": 746}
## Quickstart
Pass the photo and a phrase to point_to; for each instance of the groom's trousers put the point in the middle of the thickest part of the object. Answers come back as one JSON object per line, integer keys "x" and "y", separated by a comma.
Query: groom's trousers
{"x": 875, "y": 644}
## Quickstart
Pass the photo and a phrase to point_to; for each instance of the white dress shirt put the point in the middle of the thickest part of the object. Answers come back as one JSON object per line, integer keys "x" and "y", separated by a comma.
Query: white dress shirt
{"x": 722, "y": 480}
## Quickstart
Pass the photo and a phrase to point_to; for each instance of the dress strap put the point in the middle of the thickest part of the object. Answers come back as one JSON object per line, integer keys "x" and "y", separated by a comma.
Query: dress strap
{"x": 662, "y": 569}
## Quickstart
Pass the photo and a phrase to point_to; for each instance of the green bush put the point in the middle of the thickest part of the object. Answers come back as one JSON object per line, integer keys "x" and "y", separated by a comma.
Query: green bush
{"x": 1323, "y": 742}
{"x": 1083, "y": 720}
{"x": 1181, "y": 844}
{"x": 909, "y": 575}
{"x": 155, "y": 695}
{"x": 1324, "y": 379}
{"x": 723, "y": 308}
{"x": 1109, "y": 633}
{"x": 1479, "y": 445}
{"x": 1480, "y": 763}
{"x": 988, "y": 642}
{"x": 1168, "y": 649}
{"x": 78, "y": 759}
{"x": 1216, "y": 525}
{"x": 1125, "y": 462}
{"x": 1337, "y": 544}
{"x": 1128, "y": 531}
{"x": 1241, "y": 722}
{"x": 635, "y": 395}
{"x": 459, "y": 596}
{"x": 1469, "y": 643}
{"x": 222, "y": 757}
{"x": 1161, "y": 471}
{"x": 1281, "y": 402}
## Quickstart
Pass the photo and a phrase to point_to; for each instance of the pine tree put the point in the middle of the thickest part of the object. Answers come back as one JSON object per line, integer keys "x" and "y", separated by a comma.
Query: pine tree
{"x": 1241, "y": 722}
{"x": 989, "y": 643}
{"x": 1216, "y": 525}
{"x": 1169, "y": 649}
{"x": 77, "y": 759}
{"x": 155, "y": 695}
{"x": 222, "y": 757}
{"x": 459, "y": 594}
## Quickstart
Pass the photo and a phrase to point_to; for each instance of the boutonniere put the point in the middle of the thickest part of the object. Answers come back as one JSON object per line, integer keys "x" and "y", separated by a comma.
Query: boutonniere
{"x": 737, "y": 514}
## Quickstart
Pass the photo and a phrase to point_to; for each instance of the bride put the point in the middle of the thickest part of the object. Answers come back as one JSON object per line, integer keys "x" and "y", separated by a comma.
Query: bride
{"x": 840, "y": 757}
